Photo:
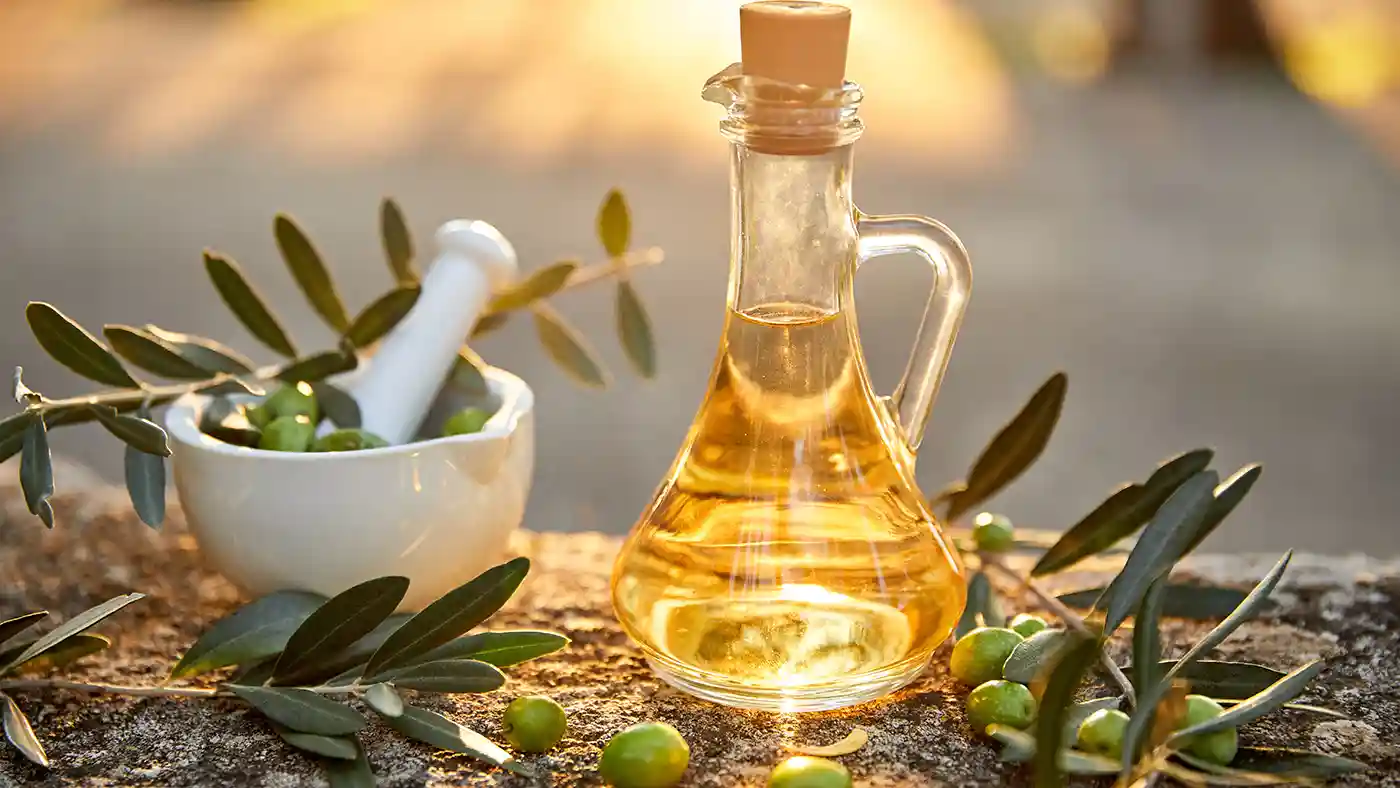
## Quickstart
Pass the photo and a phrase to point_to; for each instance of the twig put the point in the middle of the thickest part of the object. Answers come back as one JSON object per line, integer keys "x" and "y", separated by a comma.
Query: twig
{"x": 1071, "y": 618}
{"x": 152, "y": 692}
{"x": 589, "y": 274}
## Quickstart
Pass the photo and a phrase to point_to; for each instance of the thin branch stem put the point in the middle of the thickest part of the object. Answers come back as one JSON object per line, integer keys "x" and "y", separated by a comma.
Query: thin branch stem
{"x": 152, "y": 692}
{"x": 598, "y": 271}
{"x": 1071, "y": 618}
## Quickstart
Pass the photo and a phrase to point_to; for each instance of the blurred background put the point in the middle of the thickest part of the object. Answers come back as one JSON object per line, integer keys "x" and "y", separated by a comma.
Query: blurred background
{"x": 1191, "y": 206}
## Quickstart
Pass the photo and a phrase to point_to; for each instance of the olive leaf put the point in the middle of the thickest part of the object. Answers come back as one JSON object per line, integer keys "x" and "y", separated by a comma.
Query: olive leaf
{"x": 1286, "y": 762}
{"x": 73, "y": 626}
{"x": 456, "y": 612}
{"x": 20, "y": 733}
{"x": 257, "y": 630}
{"x": 1078, "y": 654}
{"x": 351, "y": 774}
{"x": 134, "y": 431}
{"x": 1179, "y": 600}
{"x": 489, "y": 322}
{"x": 1014, "y": 448}
{"x": 316, "y": 744}
{"x": 317, "y": 367}
{"x": 1218, "y": 679}
{"x": 380, "y": 317}
{"x": 72, "y": 648}
{"x": 1227, "y": 496}
{"x": 347, "y": 666}
{"x": 540, "y": 284}
{"x": 12, "y": 434}
{"x": 568, "y": 348}
{"x": 398, "y": 243}
{"x": 337, "y": 624}
{"x": 152, "y": 354}
{"x": 438, "y": 731}
{"x": 981, "y": 609}
{"x": 1147, "y": 642}
{"x": 245, "y": 303}
{"x": 1036, "y": 655}
{"x": 451, "y": 675}
{"x": 1164, "y": 539}
{"x": 203, "y": 352}
{"x": 1190, "y": 770}
{"x": 1122, "y": 513}
{"x": 383, "y": 699}
{"x": 72, "y": 346}
{"x": 615, "y": 224}
{"x": 145, "y": 481}
{"x": 302, "y": 710}
{"x": 501, "y": 649}
{"x": 14, "y": 626}
{"x": 634, "y": 329}
{"x": 337, "y": 403}
{"x": 36, "y": 470}
{"x": 1019, "y": 747}
{"x": 1256, "y": 706}
{"x": 310, "y": 272}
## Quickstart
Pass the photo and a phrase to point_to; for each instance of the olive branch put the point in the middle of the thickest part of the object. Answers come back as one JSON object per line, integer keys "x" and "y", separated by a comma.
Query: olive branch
{"x": 204, "y": 365}
{"x": 1170, "y": 513}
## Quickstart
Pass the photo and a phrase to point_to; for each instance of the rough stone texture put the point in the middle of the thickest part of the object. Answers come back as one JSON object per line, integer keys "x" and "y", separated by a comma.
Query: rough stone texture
{"x": 1345, "y": 610}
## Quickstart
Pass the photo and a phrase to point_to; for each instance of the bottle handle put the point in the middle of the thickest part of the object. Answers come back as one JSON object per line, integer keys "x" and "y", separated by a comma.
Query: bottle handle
{"x": 912, "y": 400}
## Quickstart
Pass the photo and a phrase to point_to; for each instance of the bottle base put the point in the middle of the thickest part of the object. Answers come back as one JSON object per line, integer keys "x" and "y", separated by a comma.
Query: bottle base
{"x": 811, "y": 697}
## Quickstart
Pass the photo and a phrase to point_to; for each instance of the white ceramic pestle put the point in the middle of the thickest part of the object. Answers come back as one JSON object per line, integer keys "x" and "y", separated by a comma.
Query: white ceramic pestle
{"x": 404, "y": 375}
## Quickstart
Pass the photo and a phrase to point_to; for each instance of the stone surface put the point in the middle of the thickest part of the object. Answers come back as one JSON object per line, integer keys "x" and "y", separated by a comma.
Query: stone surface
{"x": 1349, "y": 614}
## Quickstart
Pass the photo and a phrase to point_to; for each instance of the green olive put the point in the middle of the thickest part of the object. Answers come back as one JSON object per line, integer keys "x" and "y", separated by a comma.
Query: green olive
{"x": 465, "y": 422}
{"x": 288, "y": 433}
{"x": 993, "y": 533}
{"x": 295, "y": 400}
{"x": 1102, "y": 733}
{"x": 1000, "y": 702}
{"x": 534, "y": 724}
{"x": 1027, "y": 624}
{"x": 979, "y": 655}
{"x": 804, "y": 771}
{"x": 646, "y": 755}
{"x": 1218, "y": 747}
{"x": 352, "y": 439}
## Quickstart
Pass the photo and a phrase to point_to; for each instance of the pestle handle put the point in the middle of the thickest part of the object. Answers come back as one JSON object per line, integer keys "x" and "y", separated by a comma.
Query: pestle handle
{"x": 402, "y": 379}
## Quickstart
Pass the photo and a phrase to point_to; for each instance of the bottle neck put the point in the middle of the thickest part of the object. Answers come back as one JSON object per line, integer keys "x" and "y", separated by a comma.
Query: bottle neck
{"x": 793, "y": 225}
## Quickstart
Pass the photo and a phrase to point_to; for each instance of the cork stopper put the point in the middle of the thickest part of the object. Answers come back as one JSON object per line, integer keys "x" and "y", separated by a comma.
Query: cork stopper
{"x": 800, "y": 43}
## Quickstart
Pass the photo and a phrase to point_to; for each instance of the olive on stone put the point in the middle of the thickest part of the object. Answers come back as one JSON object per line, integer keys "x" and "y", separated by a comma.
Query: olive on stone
{"x": 993, "y": 533}
{"x": 534, "y": 724}
{"x": 1000, "y": 702}
{"x": 1102, "y": 733}
{"x": 465, "y": 422}
{"x": 288, "y": 433}
{"x": 979, "y": 655}
{"x": 349, "y": 439}
{"x": 1218, "y": 747}
{"x": 646, "y": 755}
{"x": 1027, "y": 624}
{"x": 804, "y": 771}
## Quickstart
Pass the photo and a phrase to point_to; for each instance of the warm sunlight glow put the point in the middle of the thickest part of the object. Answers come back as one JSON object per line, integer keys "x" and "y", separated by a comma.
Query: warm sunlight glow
{"x": 1072, "y": 43}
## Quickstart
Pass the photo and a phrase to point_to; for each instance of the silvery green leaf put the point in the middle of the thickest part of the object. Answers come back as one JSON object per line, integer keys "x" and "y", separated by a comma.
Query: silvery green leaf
{"x": 1277, "y": 694}
{"x": 73, "y": 347}
{"x": 1171, "y": 529}
{"x": 1227, "y": 496}
{"x": 20, "y": 733}
{"x": 1122, "y": 514}
{"x": 501, "y": 649}
{"x": 1219, "y": 679}
{"x": 1287, "y": 762}
{"x": 310, "y": 272}
{"x": 152, "y": 354}
{"x": 257, "y": 630}
{"x": 1147, "y": 642}
{"x": 73, "y": 626}
{"x": 338, "y": 624}
{"x": 615, "y": 224}
{"x": 70, "y": 650}
{"x": 245, "y": 303}
{"x": 1075, "y": 657}
{"x": 1014, "y": 448}
{"x": 228, "y": 421}
{"x": 23, "y": 394}
{"x": 568, "y": 348}
{"x": 634, "y": 329}
{"x": 451, "y": 675}
{"x": 1189, "y": 770}
{"x": 145, "y": 483}
{"x": 455, "y": 613}
{"x": 1019, "y": 747}
{"x": 302, "y": 710}
{"x": 383, "y": 699}
{"x": 1196, "y": 602}
{"x": 14, "y": 626}
{"x": 489, "y": 322}
{"x": 398, "y": 243}
{"x": 1036, "y": 655}
{"x": 223, "y": 386}
{"x": 203, "y": 352}
{"x": 1302, "y": 707}
{"x": 12, "y": 427}
{"x": 340, "y": 747}
{"x": 438, "y": 731}
{"x": 36, "y": 470}
{"x": 351, "y": 774}
{"x": 348, "y": 666}
{"x": 338, "y": 405}
{"x": 541, "y": 283}
{"x": 135, "y": 431}
{"x": 379, "y": 318}
{"x": 979, "y": 590}
{"x": 317, "y": 366}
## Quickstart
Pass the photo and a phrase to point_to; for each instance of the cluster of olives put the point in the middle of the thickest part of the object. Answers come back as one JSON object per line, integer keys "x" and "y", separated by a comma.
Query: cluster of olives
{"x": 286, "y": 421}
{"x": 980, "y": 655}
{"x": 648, "y": 754}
